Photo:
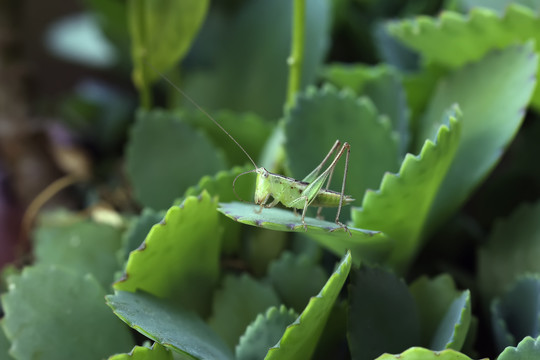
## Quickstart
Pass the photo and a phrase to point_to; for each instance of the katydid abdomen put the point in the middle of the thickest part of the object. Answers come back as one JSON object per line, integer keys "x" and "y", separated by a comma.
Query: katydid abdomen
{"x": 288, "y": 191}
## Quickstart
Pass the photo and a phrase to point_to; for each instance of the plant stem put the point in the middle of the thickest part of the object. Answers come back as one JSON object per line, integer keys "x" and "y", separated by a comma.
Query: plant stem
{"x": 297, "y": 51}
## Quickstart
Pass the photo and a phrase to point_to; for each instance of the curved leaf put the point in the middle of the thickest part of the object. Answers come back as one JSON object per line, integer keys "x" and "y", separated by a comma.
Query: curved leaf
{"x": 300, "y": 339}
{"x": 492, "y": 96}
{"x": 392, "y": 208}
{"x": 264, "y": 332}
{"x": 527, "y": 349}
{"x": 468, "y": 37}
{"x": 83, "y": 246}
{"x": 516, "y": 314}
{"x": 433, "y": 297}
{"x": 160, "y": 158}
{"x": 237, "y": 304}
{"x": 296, "y": 278}
{"x": 513, "y": 249}
{"x": 418, "y": 353}
{"x": 453, "y": 329}
{"x": 168, "y": 324}
{"x": 364, "y": 244}
{"x": 179, "y": 259}
{"x": 156, "y": 352}
{"x": 382, "y": 314}
{"x": 162, "y": 32}
{"x": 54, "y": 313}
{"x": 322, "y": 116}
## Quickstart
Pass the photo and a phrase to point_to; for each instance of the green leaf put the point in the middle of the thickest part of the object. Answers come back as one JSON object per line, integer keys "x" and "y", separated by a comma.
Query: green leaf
{"x": 453, "y": 329}
{"x": 391, "y": 208}
{"x": 246, "y": 50}
{"x": 492, "y": 97}
{"x": 527, "y": 349}
{"x": 237, "y": 304}
{"x": 162, "y": 32}
{"x": 179, "y": 259}
{"x": 83, "y": 246}
{"x": 160, "y": 158}
{"x": 171, "y": 325}
{"x": 364, "y": 244}
{"x": 156, "y": 352}
{"x": 296, "y": 278}
{"x": 264, "y": 332}
{"x": 221, "y": 185}
{"x": 382, "y": 85}
{"x": 250, "y": 130}
{"x": 470, "y": 37}
{"x": 322, "y": 116}
{"x": 300, "y": 339}
{"x": 418, "y": 353}
{"x": 382, "y": 314}
{"x": 138, "y": 229}
{"x": 513, "y": 249}
{"x": 433, "y": 298}
{"x": 54, "y": 313}
{"x": 516, "y": 314}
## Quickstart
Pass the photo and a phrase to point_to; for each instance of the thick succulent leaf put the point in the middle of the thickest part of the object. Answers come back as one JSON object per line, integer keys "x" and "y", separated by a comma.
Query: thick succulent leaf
{"x": 221, "y": 185}
{"x": 250, "y": 130}
{"x": 382, "y": 84}
{"x": 160, "y": 158}
{"x": 433, "y": 297}
{"x": 516, "y": 314}
{"x": 264, "y": 332}
{"x": 300, "y": 339}
{"x": 513, "y": 249}
{"x": 237, "y": 304}
{"x": 453, "y": 329}
{"x": 469, "y": 37}
{"x": 296, "y": 278}
{"x": 492, "y": 97}
{"x": 322, "y": 116}
{"x": 383, "y": 316}
{"x": 527, "y": 349}
{"x": 179, "y": 259}
{"x": 162, "y": 32}
{"x": 169, "y": 324}
{"x": 156, "y": 352}
{"x": 55, "y": 313}
{"x": 418, "y": 353}
{"x": 401, "y": 206}
{"x": 364, "y": 244}
{"x": 81, "y": 245}
{"x": 256, "y": 82}
{"x": 138, "y": 229}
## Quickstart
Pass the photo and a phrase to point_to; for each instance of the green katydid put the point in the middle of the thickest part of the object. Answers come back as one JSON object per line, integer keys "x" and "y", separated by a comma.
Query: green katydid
{"x": 290, "y": 192}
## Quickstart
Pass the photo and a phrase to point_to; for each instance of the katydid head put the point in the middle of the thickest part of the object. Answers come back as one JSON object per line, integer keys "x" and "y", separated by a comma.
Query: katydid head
{"x": 260, "y": 188}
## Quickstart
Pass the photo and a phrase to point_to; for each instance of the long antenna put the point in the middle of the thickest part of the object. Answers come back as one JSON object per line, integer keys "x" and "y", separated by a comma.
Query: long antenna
{"x": 201, "y": 109}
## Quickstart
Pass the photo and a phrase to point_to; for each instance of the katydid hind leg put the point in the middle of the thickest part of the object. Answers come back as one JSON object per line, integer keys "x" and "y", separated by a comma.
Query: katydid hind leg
{"x": 313, "y": 175}
{"x": 348, "y": 148}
